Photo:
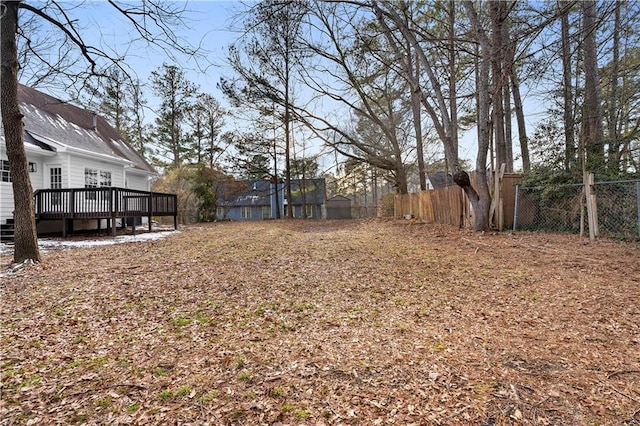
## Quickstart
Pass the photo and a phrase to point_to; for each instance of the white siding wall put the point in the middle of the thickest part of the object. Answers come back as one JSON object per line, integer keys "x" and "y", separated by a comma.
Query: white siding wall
{"x": 137, "y": 181}
{"x": 6, "y": 201}
{"x": 78, "y": 164}
{"x": 6, "y": 188}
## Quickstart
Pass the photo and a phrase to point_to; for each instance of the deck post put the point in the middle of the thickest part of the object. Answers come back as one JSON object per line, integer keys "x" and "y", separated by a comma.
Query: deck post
{"x": 149, "y": 209}
{"x": 113, "y": 206}
{"x": 72, "y": 203}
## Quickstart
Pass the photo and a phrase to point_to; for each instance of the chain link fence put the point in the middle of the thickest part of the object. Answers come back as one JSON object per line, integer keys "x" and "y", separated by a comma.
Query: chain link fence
{"x": 561, "y": 208}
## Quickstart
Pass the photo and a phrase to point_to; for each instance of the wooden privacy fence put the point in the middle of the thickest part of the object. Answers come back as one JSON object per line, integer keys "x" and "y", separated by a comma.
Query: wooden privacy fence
{"x": 450, "y": 205}
{"x": 446, "y": 205}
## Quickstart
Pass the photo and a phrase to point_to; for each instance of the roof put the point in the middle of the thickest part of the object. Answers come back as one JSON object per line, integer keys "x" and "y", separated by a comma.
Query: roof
{"x": 51, "y": 121}
{"x": 258, "y": 194}
{"x": 314, "y": 191}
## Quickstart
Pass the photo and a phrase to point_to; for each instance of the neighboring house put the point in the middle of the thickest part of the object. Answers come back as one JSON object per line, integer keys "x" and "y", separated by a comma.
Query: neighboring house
{"x": 309, "y": 194}
{"x": 339, "y": 207}
{"x": 439, "y": 180}
{"x": 77, "y": 160}
{"x": 259, "y": 201}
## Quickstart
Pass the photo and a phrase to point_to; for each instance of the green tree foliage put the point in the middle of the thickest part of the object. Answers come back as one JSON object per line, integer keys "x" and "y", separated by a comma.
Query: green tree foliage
{"x": 120, "y": 100}
{"x": 206, "y": 117}
{"x": 176, "y": 93}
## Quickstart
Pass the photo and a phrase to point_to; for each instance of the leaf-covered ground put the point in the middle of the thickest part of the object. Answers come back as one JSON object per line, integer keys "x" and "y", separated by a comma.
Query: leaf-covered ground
{"x": 325, "y": 322}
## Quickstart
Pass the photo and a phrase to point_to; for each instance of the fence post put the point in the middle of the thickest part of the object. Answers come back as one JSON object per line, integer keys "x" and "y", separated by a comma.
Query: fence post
{"x": 515, "y": 209}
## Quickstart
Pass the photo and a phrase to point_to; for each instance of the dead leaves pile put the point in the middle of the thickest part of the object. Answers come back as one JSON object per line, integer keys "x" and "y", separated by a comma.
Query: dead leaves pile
{"x": 325, "y": 322}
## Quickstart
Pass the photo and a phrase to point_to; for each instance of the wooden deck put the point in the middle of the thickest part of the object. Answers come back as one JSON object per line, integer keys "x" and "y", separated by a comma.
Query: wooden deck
{"x": 103, "y": 203}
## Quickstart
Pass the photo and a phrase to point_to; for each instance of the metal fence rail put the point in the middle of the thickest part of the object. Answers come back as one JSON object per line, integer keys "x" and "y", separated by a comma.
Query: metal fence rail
{"x": 560, "y": 208}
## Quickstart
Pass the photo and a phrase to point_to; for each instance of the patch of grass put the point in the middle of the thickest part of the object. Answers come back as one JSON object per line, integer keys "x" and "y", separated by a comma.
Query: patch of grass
{"x": 183, "y": 391}
{"x": 302, "y": 414}
{"x": 166, "y": 394}
{"x": 32, "y": 380}
{"x": 182, "y": 321}
{"x": 98, "y": 362}
{"x": 80, "y": 339}
{"x": 244, "y": 376}
{"x": 202, "y": 319}
{"x": 133, "y": 408}
{"x": 103, "y": 403}
{"x": 159, "y": 371}
{"x": 402, "y": 327}
{"x": 210, "y": 396}
{"x": 286, "y": 408}
{"x": 276, "y": 393}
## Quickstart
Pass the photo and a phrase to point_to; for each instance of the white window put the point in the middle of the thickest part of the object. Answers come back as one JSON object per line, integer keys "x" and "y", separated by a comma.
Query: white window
{"x": 94, "y": 178}
{"x": 219, "y": 212}
{"x": 55, "y": 176}
{"x": 90, "y": 178}
{"x": 5, "y": 172}
{"x": 55, "y": 182}
{"x": 266, "y": 212}
{"x": 105, "y": 178}
{"x": 246, "y": 212}
{"x": 310, "y": 210}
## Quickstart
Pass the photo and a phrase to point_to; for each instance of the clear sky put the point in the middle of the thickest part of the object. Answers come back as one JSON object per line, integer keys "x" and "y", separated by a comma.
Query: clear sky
{"x": 207, "y": 24}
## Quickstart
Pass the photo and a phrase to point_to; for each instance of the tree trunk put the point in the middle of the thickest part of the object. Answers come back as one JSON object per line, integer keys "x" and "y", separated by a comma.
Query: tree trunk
{"x": 25, "y": 236}
{"x": 592, "y": 112}
{"x": 567, "y": 88}
{"x": 613, "y": 159}
{"x": 287, "y": 126}
{"x": 417, "y": 118}
{"x": 508, "y": 65}
{"x": 522, "y": 128}
{"x": 497, "y": 61}
{"x": 401, "y": 180}
{"x": 480, "y": 197}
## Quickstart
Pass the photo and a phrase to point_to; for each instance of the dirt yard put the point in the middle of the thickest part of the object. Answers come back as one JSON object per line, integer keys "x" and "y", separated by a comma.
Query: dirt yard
{"x": 325, "y": 323}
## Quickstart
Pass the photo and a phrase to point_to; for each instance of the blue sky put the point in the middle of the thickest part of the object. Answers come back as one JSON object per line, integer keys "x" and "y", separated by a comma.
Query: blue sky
{"x": 208, "y": 25}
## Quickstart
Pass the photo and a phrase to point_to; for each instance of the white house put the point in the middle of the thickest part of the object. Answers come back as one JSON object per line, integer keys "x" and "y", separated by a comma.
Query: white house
{"x": 70, "y": 147}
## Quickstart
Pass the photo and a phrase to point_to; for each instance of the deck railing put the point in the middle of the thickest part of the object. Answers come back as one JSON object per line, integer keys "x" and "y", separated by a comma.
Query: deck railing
{"x": 103, "y": 203}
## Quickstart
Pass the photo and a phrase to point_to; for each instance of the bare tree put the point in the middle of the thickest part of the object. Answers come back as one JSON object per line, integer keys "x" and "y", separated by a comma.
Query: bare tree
{"x": 26, "y": 239}
{"x": 480, "y": 197}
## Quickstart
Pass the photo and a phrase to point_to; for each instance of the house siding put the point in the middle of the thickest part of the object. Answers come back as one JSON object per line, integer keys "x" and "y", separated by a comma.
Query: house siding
{"x": 137, "y": 181}
{"x": 6, "y": 201}
{"x": 77, "y": 166}
{"x": 6, "y": 188}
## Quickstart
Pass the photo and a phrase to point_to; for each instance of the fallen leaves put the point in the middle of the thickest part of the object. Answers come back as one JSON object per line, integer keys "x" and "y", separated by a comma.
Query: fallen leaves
{"x": 325, "y": 322}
